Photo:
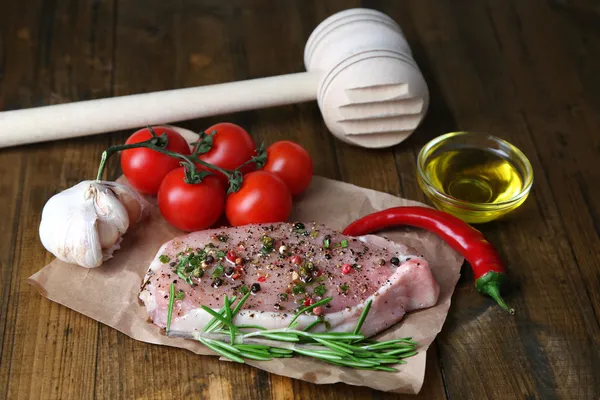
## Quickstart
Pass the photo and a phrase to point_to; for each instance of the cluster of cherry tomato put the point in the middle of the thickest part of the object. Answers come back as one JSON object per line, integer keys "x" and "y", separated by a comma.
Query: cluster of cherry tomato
{"x": 265, "y": 194}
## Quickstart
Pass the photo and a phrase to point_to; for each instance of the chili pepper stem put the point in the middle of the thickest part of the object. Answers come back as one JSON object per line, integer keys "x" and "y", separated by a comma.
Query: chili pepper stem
{"x": 490, "y": 284}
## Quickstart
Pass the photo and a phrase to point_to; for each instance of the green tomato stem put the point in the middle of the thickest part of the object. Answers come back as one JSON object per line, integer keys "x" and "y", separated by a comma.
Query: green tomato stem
{"x": 159, "y": 143}
{"x": 106, "y": 154}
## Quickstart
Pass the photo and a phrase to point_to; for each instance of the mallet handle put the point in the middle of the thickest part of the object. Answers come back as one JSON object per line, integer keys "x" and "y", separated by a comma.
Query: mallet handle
{"x": 91, "y": 117}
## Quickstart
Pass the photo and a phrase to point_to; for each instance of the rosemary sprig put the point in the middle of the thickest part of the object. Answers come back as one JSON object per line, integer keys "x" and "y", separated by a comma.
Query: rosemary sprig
{"x": 363, "y": 316}
{"x": 221, "y": 318}
{"x": 239, "y": 304}
{"x": 213, "y": 323}
{"x": 171, "y": 301}
{"x": 308, "y": 308}
{"x": 229, "y": 318}
{"x": 312, "y": 325}
{"x": 339, "y": 348}
{"x": 211, "y": 345}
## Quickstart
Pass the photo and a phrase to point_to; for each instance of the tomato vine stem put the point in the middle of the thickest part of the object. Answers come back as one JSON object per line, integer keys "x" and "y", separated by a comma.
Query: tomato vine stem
{"x": 159, "y": 143}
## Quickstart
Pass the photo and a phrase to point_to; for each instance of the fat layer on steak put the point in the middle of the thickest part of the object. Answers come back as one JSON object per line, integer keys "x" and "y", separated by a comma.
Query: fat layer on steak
{"x": 286, "y": 266}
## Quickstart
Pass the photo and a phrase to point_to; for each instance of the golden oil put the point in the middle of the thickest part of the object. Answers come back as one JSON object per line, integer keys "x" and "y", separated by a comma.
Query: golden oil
{"x": 475, "y": 176}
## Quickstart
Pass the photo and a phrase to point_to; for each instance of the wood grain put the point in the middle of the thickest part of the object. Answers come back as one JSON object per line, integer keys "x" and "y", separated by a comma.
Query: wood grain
{"x": 523, "y": 70}
{"x": 49, "y": 351}
{"x": 555, "y": 310}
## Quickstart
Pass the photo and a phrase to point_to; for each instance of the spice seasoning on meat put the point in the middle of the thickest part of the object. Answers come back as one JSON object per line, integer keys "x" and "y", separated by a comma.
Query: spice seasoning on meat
{"x": 255, "y": 288}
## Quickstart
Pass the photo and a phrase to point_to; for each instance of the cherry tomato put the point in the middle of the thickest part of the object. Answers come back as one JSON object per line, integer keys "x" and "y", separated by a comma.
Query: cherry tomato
{"x": 263, "y": 197}
{"x": 292, "y": 163}
{"x": 232, "y": 146}
{"x": 145, "y": 168}
{"x": 191, "y": 207}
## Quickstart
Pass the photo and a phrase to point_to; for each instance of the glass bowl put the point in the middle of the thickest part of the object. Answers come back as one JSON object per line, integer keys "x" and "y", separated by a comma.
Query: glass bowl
{"x": 474, "y": 176}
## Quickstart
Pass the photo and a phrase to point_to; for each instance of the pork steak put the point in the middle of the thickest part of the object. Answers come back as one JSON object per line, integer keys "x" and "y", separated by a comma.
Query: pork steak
{"x": 286, "y": 266}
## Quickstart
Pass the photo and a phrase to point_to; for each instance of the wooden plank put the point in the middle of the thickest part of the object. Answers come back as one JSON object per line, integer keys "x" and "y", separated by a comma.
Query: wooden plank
{"x": 58, "y": 52}
{"x": 11, "y": 187}
{"x": 192, "y": 47}
{"x": 14, "y": 41}
{"x": 144, "y": 60}
{"x": 19, "y": 31}
{"x": 546, "y": 342}
{"x": 582, "y": 7}
{"x": 564, "y": 125}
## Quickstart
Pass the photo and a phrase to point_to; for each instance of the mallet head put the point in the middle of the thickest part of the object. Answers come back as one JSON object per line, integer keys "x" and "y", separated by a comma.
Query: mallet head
{"x": 372, "y": 93}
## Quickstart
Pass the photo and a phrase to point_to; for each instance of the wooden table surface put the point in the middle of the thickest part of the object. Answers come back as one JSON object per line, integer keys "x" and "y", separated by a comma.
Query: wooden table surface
{"x": 526, "y": 70}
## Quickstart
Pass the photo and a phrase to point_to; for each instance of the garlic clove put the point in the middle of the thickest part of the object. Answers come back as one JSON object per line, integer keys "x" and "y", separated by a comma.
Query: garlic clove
{"x": 137, "y": 207}
{"x": 109, "y": 210}
{"x": 107, "y": 234}
{"x": 85, "y": 224}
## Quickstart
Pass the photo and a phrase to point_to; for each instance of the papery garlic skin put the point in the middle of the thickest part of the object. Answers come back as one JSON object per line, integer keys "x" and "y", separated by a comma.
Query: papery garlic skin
{"x": 85, "y": 224}
{"x": 137, "y": 207}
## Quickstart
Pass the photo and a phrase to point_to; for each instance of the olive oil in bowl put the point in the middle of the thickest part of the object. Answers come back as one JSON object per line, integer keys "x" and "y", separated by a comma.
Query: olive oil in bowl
{"x": 475, "y": 177}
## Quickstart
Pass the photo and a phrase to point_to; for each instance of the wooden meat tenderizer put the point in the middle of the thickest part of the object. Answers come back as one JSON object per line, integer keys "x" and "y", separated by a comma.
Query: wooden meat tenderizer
{"x": 360, "y": 69}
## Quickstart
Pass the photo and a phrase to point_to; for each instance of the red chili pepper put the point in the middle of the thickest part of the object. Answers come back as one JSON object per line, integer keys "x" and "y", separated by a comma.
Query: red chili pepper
{"x": 308, "y": 301}
{"x": 261, "y": 279}
{"x": 485, "y": 261}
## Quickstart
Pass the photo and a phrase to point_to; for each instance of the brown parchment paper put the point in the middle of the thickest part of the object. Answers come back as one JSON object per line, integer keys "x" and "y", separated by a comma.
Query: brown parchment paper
{"x": 109, "y": 293}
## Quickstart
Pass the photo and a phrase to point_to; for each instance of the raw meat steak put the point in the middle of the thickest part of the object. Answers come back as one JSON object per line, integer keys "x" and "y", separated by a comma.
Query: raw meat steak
{"x": 287, "y": 266}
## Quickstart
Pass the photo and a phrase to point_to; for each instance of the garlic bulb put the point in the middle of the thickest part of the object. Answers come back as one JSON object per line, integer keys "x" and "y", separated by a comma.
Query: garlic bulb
{"x": 85, "y": 224}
